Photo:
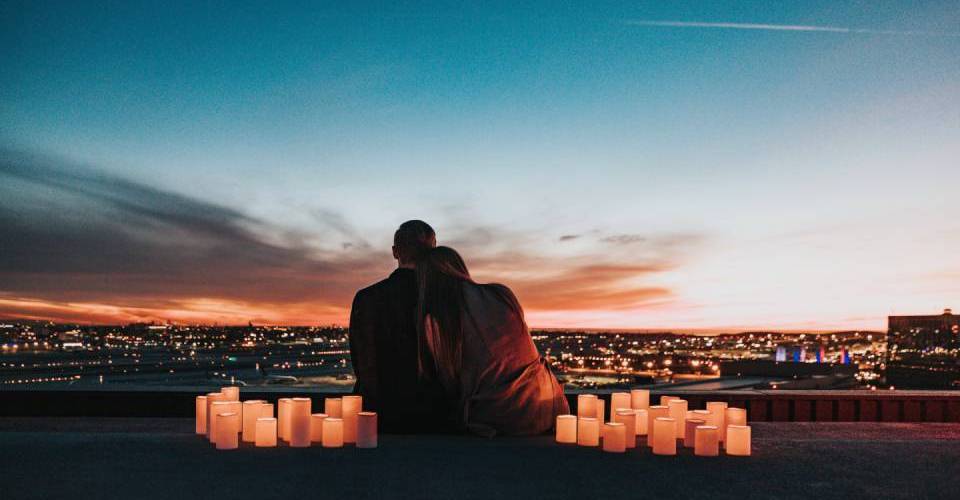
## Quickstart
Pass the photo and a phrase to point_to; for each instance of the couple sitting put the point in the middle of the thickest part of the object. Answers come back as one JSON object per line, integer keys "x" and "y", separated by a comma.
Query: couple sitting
{"x": 433, "y": 350}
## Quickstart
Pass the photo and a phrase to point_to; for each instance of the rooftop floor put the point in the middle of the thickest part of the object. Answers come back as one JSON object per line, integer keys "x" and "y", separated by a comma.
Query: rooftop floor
{"x": 162, "y": 458}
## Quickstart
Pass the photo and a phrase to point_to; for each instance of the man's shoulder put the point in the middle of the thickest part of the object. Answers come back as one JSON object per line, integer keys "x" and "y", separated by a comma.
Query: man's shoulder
{"x": 374, "y": 290}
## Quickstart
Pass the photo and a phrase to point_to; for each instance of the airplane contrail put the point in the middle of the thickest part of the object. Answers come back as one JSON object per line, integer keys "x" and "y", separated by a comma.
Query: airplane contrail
{"x": 785, "y": 27}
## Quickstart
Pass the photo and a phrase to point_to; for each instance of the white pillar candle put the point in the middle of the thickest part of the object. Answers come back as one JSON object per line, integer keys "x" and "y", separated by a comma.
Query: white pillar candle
{"x": 316, "y": 427}
{"x": 706, "y": 441}
{"x": 232, "y": 393}
{"x": 283, "y": 418}
{"x": 332, "y": 407}
{"x": 587, "y": 405}
{"x": 217, "y": 408}
{"x": 352, "y": 405}
{"x": 588, "y": 432}
{"x": 678, "y": 412}
{"x": 332, "y": 432}
{"x": 366, "y": 429}
{"x": 567, "y": 429}
{"x": 690, "y": 431}
{"x": 619, "y": 400}
{"x": 717, "y": 411}
{"x": 738, "y": 440}
{"x": 266, "y": 410}
{"x": 601, "y": 411}
{"x": 665, "y": 441}
{"x": 200, "y": 415}
{"x": 212, "y": 397}
{"x": 665, "y": 400}
{"x": 732, "y": 416}
{"x": 653, "y": 413}
{"x": 228, "y": 424}
{"x": 614, "y": 437}
{"x": 299, "y": 430}
{"x": 699, "y": 415}
{"x": 629, "y": 420}
{"x": 642, "y": 422}
{"x": 251, "y": 412}
{"x": 640, "y": 399}
{"x": 266, "y": 432}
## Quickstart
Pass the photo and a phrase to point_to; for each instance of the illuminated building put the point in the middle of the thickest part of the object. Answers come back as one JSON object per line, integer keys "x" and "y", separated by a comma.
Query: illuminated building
{"x": 924, "y": 351}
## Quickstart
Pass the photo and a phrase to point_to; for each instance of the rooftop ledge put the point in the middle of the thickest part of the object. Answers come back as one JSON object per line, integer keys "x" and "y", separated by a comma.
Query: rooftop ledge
{"x": 148, "y": 458}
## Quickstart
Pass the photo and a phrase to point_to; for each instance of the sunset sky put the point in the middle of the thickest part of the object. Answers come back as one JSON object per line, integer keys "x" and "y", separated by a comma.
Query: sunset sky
{"x": 694, "y": 165}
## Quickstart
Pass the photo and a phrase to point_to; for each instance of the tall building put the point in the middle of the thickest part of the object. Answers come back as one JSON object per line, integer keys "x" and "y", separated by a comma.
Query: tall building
{"x": 924, "y": 351}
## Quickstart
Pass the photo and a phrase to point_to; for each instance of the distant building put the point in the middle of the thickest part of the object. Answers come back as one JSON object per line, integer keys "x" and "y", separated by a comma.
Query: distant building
{"x": 924, "y": 351}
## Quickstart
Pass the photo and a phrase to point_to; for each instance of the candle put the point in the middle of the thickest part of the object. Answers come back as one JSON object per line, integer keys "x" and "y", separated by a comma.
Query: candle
{"x": 640, "y": 399}
{"x": 587, "y": 405}
{"x": 717, "y": 411}
{"x": 614, "y": 440}
{"x": 665, "y": 440}
{"x": 366, "y": 429}
{"x": 332, "y": 407}
{"x": 251, "y": 412}
{"x": 266, "y": 410}
{"x": 706, "y": 441}
{"x": 601, "y": 411}
{"x": 642, "y": 422}
{"x": 299, "y": 416}
{"x": 678, "y": 412}
{"x": 212, "y": 397}
{"x": 732, "y": 416}
{"x": 738, "y": 440}
{"x": 588, "y": 432}
{"x": 218, "y": 408}
{"x": 228, "y": 424}
{"x": 316, "y": 427}
{"x": 567, "y": 429}
{"x": 283, "y": 418}
{"x": 200, "y": 415}
{"x": 690, "y": 432}
{"x": 351, "y": 406}
{"x": 629, "y": 420}
{"x": 653, "y": 413}
{"x": 665, "y": 400}
{"x": 619, "y": 400}
{"x": 266, "y": 432}
{"x": 232, "y": 393}
{"x": 332, "y": 432}
{"x": 700, "y": 415}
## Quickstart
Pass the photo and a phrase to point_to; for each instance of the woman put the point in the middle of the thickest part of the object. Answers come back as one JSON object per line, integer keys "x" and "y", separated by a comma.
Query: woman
{"x": 481, "y": 352}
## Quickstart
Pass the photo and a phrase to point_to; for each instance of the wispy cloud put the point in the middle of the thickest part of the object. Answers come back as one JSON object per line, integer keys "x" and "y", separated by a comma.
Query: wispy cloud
{"x": 786, "y": 27}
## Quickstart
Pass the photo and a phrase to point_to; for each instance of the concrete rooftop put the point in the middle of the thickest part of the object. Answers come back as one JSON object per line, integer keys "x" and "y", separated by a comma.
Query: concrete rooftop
{"x": 162, "y": 458}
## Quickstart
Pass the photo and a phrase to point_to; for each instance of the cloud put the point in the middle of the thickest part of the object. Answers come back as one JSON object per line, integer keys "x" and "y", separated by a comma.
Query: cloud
{"x": 569, "y": 237}
{"x": 623, "y": 239}
{"x": 785, "y": 27}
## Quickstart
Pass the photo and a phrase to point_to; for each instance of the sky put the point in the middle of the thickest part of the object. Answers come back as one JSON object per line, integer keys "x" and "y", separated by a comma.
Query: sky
{"x": 687, "y": 165}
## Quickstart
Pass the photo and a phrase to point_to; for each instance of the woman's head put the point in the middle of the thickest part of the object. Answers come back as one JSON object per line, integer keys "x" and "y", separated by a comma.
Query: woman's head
{"x": 441, "y": 274}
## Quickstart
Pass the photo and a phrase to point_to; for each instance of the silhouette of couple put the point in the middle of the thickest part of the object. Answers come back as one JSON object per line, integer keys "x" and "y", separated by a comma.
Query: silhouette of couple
{"x": 435, "y": 351}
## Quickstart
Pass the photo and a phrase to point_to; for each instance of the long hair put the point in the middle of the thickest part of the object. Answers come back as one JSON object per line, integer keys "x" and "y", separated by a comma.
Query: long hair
{"x": 441, "y": 274}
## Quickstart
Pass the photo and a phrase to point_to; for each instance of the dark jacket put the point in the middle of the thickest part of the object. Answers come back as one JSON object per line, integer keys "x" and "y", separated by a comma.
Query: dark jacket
{"x": 384, "y": 351}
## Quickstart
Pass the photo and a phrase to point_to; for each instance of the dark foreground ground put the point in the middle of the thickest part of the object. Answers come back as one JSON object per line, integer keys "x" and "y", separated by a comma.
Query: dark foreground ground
{"x": 161, "y": 458}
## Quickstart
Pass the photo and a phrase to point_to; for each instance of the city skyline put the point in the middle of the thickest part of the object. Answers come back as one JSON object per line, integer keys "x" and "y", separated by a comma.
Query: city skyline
{"x": 690, "y": 166}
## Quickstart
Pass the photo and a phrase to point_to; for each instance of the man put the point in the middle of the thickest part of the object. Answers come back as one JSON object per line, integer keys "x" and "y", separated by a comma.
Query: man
{"x": 384, "y": 346}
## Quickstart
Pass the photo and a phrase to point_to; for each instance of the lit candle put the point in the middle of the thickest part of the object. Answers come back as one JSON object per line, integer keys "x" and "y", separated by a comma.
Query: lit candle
{"x": 212, "y": 397}
{"x": 642, "y": 422}
{"x": 316, "y": 427}
{"x": 700, "y": 415}
{"x": 665, "y": 441}
{"x": 299, "y": 415}
{"x": 283, "y": 417}
{"x": 232, "y": 393}
{"x": 332, "y": 432}
{"x": 601, "y": 411}
{"x": 733, "y": 416}
{"x": 629, "y": 420}
{"x": 351, "y": 406}
{"x": 251, "y": 412}
{"x": 706, "y": 441}
{"x": 266, "y": 410}
{"x": 200, "y": 415}
{"x": 619, "y": 400}
{"x": 690, "y": 432}
{"x": 567, "y": 429}
{"x": 332, "y": 407}
{"x": 665, "y": 400}
{"x": 366, "y": 429}
{"x": 653, "y": 413}
{"x": 717, "y": 411}
{"x": 614, "y": 440}
{"x": 738, "y": 440}
{"x": 266, "y": 432}
{"x": 588, "y": 432}
{"x": 587, "y": 405}
{"x": 640, "y": 399}
{"x": 678, "y": 412}
{"x": 222, "y": 407}
{"x": 228, "y": 424}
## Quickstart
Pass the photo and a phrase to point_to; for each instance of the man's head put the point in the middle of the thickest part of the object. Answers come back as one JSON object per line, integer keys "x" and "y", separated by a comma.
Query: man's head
{"x": 410, "y": 240}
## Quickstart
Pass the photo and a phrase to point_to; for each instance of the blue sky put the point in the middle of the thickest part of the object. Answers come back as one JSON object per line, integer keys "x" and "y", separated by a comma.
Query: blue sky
{"x": 717, "y": 175}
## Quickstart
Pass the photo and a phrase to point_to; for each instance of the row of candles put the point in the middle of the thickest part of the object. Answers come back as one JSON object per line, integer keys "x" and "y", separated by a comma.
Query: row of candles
{"x": 225, "y": 421}
{"x": 632, "y": 418}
